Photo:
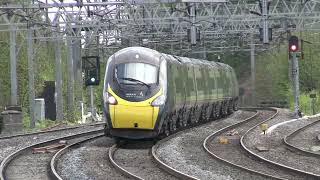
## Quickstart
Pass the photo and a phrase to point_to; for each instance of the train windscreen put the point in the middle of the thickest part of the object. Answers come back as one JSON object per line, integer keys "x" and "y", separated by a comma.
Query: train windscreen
{"x": 136, "y": 73}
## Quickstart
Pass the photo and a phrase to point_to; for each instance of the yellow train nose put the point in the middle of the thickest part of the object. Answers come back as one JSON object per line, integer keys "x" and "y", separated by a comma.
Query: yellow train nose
{"x": 126, "y": 114}
{"x": 134, "y": 117}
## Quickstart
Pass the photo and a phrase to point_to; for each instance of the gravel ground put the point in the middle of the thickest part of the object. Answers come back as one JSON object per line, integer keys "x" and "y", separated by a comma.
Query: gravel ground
{"x": 90, "y": 161}
{"x": 10, "y": 145}
{"x": 29, "y": 166}
{"x": 278, "y": 151}
{"x": 33, "y": 166}
{"x": 307, "y": 138}
{"x": 233, "y": 152}
{"x": 139, "y": 162}
{"x": 186, "y": 154}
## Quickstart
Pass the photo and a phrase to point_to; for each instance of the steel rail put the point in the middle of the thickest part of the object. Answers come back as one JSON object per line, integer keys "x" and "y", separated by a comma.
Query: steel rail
{"x": 8, "y": 159}
{"x": 307, "y": 174}
{"x": 213, "y": 135}
{"x": 53, "y": 163}
{"x": 157, "y": 160}
{"x": 162, "y": 165}
{"x": 291, "y": 146}
{"x": 112, "y": 150}
{"x": 52, "y": 130}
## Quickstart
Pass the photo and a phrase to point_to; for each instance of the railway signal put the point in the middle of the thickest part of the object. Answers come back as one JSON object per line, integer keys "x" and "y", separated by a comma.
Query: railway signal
{"x": 91, "y": 67}
{"x": 294, "y": 54}
{"x": 293, "y": 44}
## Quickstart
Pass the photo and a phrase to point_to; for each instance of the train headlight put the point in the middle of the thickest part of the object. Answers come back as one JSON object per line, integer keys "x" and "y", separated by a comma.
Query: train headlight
{"x": 160, "y": 100}
{"x": 111, "y": 100}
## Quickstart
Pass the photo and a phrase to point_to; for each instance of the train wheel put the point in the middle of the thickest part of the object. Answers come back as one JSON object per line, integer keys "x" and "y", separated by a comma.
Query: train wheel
{"x": 120, "y": 142}
{"x": 223, "y": 109}
{"x": 230, "y": 106}
{"x": 107, "y": 131}
{"x": 173, "y": 123}
{"x": 204, "y": 113}
{"x": 217, "y": 110}
{"x": 235, "y": 105}
{"x": 209, "y": 112}
{"x": 173, "y": 127}
{"x": 166, "y": 128}
{"x": 186, "y": 118}
{"x": 197, "y": 115}
{"x": 180, "y": 122}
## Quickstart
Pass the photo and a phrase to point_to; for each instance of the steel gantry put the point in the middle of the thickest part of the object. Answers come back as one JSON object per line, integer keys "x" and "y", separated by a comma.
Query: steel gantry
{"x": 110, "y": 24}
{"x": 181, "y": 27}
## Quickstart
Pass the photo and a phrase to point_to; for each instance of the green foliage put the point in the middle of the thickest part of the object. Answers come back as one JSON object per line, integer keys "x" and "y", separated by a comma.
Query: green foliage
{"x": 273, "y": 74}
{"x": 240, "y": 61}
{"x": 5, "y": 70}
{"x": 305, "y": 103}
{"x": 43, "y": 124}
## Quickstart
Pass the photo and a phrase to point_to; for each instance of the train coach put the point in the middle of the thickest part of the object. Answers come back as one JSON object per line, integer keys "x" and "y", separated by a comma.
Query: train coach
{"x": 148, "y": 94}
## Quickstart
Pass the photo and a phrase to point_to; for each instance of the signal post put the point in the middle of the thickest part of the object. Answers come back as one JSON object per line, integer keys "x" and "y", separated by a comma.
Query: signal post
{"x": 91, "y": 67}
{"x": 294, "y": 53}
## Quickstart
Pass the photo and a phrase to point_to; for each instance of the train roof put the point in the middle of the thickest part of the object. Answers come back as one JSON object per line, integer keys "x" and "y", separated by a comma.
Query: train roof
{"x": 145, "y": 54}
{"x": 193, "y": 61}
{"x": 148, "y": 53}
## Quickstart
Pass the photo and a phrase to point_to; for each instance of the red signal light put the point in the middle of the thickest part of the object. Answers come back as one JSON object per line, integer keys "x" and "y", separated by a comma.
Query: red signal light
{"x": 293, "y": 44}
{"x": 293, "y": 48}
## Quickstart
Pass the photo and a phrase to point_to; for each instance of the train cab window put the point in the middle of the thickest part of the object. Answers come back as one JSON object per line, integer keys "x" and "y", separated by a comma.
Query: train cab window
{"x": 136, "y": 73}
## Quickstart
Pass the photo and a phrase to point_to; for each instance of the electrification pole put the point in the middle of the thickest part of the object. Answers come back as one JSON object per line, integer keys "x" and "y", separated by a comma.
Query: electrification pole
{"x": 13, "y": 66}
{"x": 265, "y": 21}
{"x": 193, "y": 29}
{"x": 253, "y": 72}
{"x": 77, "y": 69}
{"x": 58, "y": 93}
{"x": 31, "y": 77}
{"x": 70, "y": 80}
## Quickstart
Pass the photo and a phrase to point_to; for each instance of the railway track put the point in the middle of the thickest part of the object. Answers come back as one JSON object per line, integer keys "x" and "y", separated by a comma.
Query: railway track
{"x": 181, "y": 173}
{"x": 152, "y": 168}
{"x": 236, "y": 155}
{"x": 293, "y": 147}
{"x": 135, "y": 161}
{"x": 31, "y": 162}
{"x": 161, "y": 164}
{"x": 275, "y": 169}
{"x": 50, "y": 130}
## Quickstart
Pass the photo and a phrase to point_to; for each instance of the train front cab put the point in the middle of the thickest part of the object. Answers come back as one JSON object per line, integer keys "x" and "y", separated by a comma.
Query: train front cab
{"x": 134, "y": 108}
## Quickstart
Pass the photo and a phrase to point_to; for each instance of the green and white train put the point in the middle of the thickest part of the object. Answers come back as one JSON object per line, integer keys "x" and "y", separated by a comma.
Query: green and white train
{"x": 148, "y": 93}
